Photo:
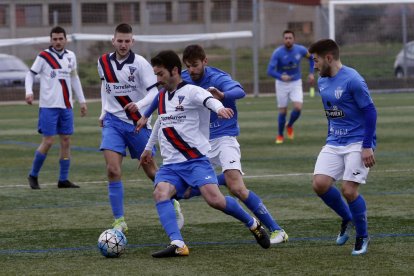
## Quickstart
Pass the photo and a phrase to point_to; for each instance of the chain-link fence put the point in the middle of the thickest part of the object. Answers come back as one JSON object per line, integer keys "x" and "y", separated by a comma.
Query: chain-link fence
{"x": 370, "y": 36}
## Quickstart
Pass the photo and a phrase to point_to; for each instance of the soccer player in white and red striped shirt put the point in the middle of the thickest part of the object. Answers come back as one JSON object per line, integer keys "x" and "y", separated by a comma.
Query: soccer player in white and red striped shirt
{"x": 182, "y": 128}
{"x": 57, "y": 68}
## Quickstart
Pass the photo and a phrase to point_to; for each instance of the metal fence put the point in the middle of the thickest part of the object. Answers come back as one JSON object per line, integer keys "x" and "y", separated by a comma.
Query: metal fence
{"x": 370, "y": 36}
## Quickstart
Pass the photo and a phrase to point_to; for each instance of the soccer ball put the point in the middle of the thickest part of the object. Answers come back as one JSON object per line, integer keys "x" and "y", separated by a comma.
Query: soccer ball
{"x": 112, "y": 243}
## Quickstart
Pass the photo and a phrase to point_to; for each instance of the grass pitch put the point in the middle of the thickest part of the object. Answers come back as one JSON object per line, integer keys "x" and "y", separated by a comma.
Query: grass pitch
{"x": 54, "y": 231}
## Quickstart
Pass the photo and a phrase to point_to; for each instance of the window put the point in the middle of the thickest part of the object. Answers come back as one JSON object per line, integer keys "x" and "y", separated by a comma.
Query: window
{"x": 244, "y": 10}
{"x": 63, "y": 11}
{"x": 4, "y": 15}
{"x": 28, "y": 15}
{"x": 190, "y": 11}
{"x": 94, "y": 13}
{"x": 159, "y": 12}
{"x": 127, "y": 13}
{"x": 220, "y": 11}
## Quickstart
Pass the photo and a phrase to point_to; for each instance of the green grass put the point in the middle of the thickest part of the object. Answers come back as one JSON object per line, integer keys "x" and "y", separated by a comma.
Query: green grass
{"x": 52, "y": 231}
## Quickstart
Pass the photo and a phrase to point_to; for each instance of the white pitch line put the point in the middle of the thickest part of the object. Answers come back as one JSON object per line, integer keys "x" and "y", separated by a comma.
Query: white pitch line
{"x": 246, "y": 176}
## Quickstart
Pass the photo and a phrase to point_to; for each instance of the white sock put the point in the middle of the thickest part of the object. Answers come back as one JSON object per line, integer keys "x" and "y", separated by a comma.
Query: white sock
{"x": 254, "y": 225}
{"x": 178, "y": 243}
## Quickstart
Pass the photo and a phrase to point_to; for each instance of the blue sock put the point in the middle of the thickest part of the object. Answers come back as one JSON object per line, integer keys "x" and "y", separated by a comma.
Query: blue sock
{"x": 235, "y": 210}
{"x": 294, "y": 115}
{"x": 116, "y": 198}
{"x": 168, "y": 220}
{"x": 359, "y": 213}
{"x": 333, "y": 199}
{"x": 221, "y": 180}
{"x": 282, "y": 121}
{"x": 255, "y": 204}
{"x": 38, "y": 160}
{"x": 64, "y": 169}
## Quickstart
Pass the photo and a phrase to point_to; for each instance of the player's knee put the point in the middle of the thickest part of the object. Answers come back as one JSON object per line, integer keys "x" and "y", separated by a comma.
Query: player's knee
{"x": 349, "y": 194}
{"x": 113, "y": 172}
{"x": 160, "y": 194}
{"x": 320, "y": 187}
{"x": 216, "y": 201}
{"x": 239, "y": 191}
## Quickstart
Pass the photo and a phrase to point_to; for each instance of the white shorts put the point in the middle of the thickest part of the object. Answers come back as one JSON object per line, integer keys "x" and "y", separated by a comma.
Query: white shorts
{"x": 342, "y": 163}
{"x": 285, "y": 91}
{"x": 225, "y": 152}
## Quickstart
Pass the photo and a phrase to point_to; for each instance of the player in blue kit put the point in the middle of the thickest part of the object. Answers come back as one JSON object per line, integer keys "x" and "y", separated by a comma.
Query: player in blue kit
{"x": 182, "y": 129}
{"x": 284, "y": 66}
{"x": 57, "y": 68}
{"x": 225, "y": 149}
{"x": 349, "y": 150}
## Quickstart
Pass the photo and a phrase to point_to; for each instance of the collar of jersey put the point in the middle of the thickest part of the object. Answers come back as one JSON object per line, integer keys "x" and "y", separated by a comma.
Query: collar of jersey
{"x": 60, "y": 56}
{"x": 130, "y": 59}
{"x": 171, "y": 94}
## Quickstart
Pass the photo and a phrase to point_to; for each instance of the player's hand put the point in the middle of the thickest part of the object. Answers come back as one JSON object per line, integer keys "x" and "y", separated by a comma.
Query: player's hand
{"x": 368, "y": 157}
{"x": 225, "y": 113}
{"x": 311, "y": 78}
{"x": 141, "y": 123}
{"x": 83, "y": 109}
{"x": 29, "y": 99}
{"x": 217, "y": 94}
{"x": 101, "y": 123}
{"x": 285, "y": 77}
{"x": 146, "y": 157}
{"x": 131, "y": 107}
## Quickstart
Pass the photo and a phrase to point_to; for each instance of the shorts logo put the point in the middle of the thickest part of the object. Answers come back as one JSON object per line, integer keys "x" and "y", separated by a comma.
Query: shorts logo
{"x": 338, "y": 92}
{"x": 132, "y": 70}
{"x": 179, "y": 107}
{"x": 232, "y": 161}
{"x": 207, "y": 177}
{"x": 52, "y": 74}
{"x": 356, "y": 173}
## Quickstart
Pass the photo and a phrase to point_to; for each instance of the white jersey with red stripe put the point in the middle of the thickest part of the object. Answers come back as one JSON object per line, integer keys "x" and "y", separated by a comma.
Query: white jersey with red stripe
{"x": 184, "y": 117}
{"x": 55, "y": 71}
{"x": 123, "y": 82}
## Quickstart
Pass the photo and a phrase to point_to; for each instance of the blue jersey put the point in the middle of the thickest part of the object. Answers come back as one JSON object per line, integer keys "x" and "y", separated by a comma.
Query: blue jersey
{"x": 287, "y": 61}
{"x": 343, "y": 97}
{"x": 232, "y": 91}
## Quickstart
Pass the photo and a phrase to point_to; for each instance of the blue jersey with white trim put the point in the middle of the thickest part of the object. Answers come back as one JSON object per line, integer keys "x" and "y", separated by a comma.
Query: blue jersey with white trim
{"x": 343, "y": 97}
{"x": 287, "y": 61}
{"x": 214, "y": 77}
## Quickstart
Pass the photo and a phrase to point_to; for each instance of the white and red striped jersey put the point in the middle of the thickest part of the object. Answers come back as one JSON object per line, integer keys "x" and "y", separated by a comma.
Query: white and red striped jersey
{"x": 184, "y": 118}
{"x": 55, "y": 71}
{"x": 123, "y": 82}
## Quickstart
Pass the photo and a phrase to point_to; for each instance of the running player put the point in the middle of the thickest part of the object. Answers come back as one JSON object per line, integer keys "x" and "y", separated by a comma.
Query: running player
{"x": 225, "y": 149}
{"x": 57, "y": 68}
{"x": 349, "y": 150}
{"x": 183, "y": 132}
{"x": 284, "y": 66}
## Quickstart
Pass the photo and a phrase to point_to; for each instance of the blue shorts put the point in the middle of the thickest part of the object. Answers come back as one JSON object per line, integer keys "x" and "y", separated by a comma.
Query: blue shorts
{"x": 117, "y": 135}
{"x": 53, "y": 121}
{"x": 193, "y": 173}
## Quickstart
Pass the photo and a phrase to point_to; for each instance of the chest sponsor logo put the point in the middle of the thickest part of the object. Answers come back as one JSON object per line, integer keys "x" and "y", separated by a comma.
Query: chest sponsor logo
{"x": 334, "y": 113}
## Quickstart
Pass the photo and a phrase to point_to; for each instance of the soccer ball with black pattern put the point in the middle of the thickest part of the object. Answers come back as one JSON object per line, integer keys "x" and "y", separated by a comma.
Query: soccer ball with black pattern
{"x": 112, "y": 243}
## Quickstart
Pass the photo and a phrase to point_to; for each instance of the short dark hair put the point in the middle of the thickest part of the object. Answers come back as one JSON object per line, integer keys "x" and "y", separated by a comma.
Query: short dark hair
{"x": 325, "y": 46}
{"x": 289, "y": 32}
{"x": 193, "y": 52}
{"x": 58, "y": 30}
{"x": 123, "y": 28}
{"x": 168, "y": 59}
